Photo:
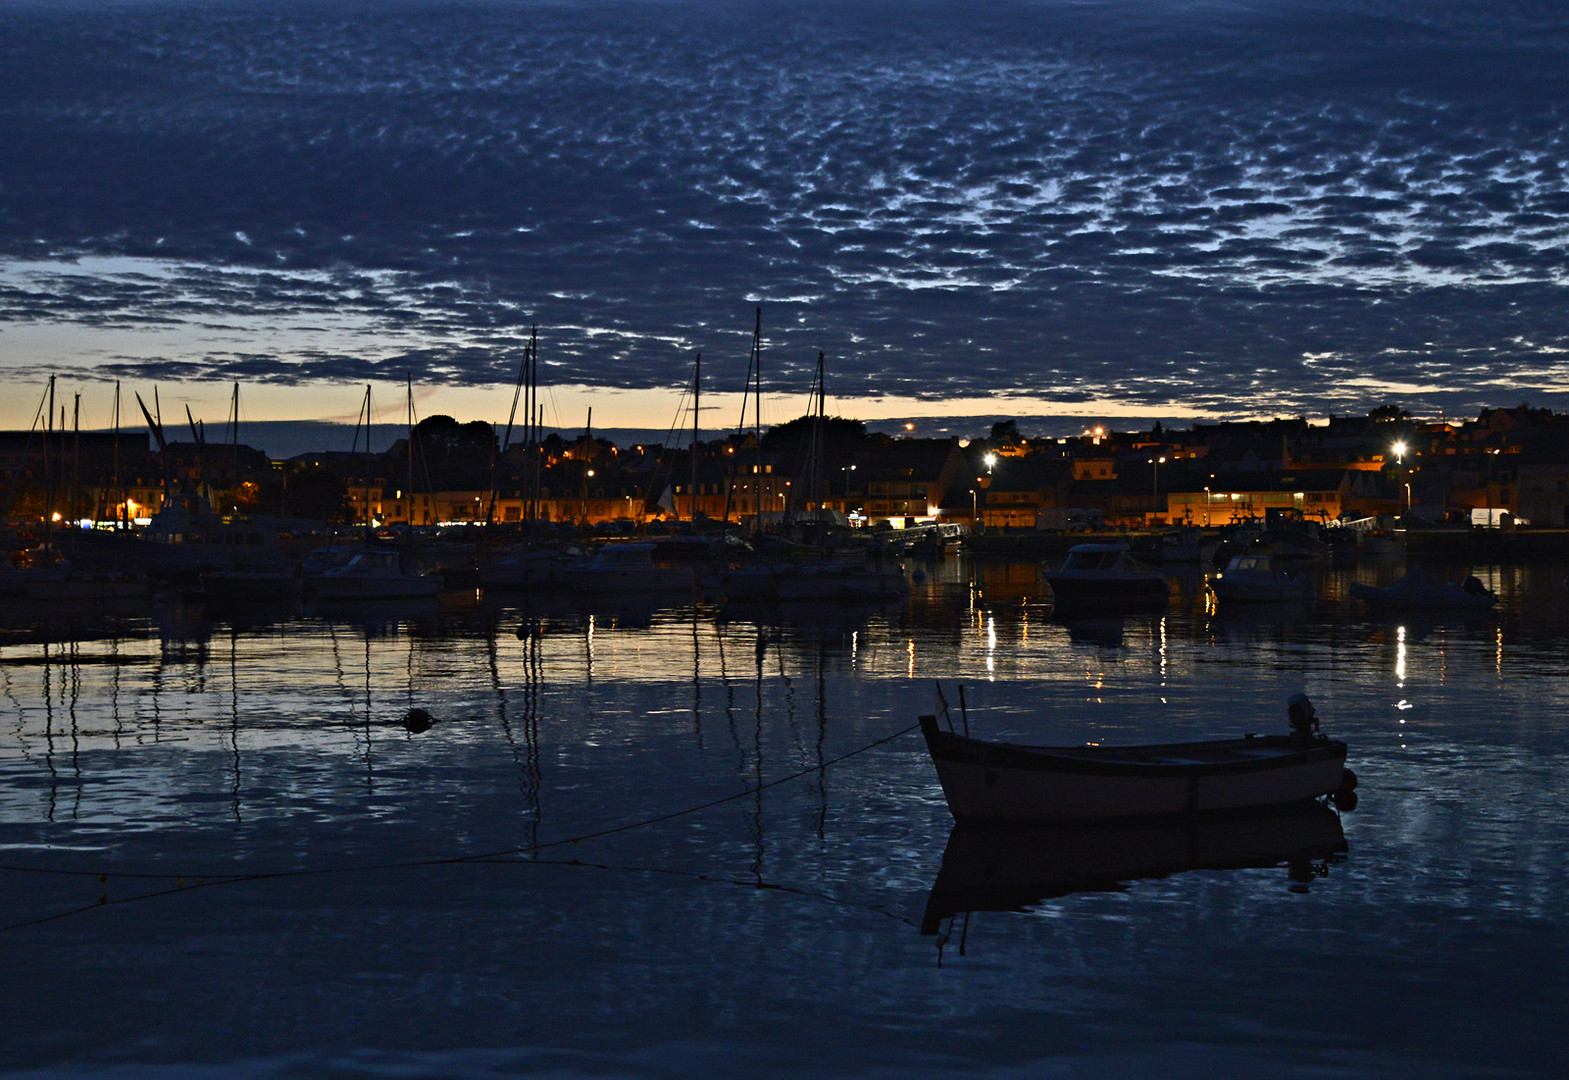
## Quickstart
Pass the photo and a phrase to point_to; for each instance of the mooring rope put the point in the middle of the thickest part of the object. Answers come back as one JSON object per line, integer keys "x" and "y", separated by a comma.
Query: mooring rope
{"x": 187, "y": 881}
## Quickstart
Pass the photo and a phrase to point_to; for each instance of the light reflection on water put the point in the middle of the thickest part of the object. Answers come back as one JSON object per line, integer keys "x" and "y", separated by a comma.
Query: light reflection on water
{"x": 775, "y": 931}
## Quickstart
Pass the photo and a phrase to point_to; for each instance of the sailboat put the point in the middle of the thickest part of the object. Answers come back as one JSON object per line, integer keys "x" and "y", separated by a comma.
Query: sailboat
{"x": 850, "y": 575}
{"x": 526, "y": 565}
{"x": 44, "y": 573}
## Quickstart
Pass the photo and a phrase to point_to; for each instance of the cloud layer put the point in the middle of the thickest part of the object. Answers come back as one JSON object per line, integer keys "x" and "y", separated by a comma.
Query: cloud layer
{"x": 1226, "y": 208}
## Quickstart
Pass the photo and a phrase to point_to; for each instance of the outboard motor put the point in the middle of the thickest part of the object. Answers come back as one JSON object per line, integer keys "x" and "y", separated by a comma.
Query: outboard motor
{"x": 1304, "y": 721}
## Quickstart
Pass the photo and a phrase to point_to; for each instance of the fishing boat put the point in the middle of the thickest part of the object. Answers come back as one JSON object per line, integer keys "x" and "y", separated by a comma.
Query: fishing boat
{"x": 1255, "y": 578}
{"x": 1418, "y": 592}
{"x": 996, "y": 781}
{"x": 374, "y": 575}
{"x": 1105, "y": 574}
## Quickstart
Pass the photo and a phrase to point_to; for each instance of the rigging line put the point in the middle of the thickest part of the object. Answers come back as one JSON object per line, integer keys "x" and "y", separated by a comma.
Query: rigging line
{"x": 228, "y": 877}
{"x": 185, "y": 885}
{"x": 666, "y": 446}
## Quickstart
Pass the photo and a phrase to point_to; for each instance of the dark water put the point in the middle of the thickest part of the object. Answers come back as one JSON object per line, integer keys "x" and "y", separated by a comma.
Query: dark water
{"x": 615, "y": 853}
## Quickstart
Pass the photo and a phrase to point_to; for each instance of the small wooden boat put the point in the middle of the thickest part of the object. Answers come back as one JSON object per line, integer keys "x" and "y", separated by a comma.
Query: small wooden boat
{"x": 991, "y": 781}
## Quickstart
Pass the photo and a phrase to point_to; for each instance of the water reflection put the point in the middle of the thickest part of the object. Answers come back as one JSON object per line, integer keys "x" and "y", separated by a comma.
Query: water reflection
{"x": 688, "y": 747}
{"x": 1015, "y": 867}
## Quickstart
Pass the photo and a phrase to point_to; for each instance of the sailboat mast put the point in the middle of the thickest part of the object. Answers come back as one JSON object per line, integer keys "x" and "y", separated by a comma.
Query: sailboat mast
{"x": 697, "y": 394}
{"x": 757, "y": 418}
{"x": 48, "y": 473}
{"x": 536, "y": 421}
{"x": 367, "y": 453}
{"x": 234, "y": 442}
{"x": 76, "y": 457}
{"x": 819, "y": 445}
{"x": 124, "y": 510}
{"x": 408, "y": 393}
{"x": 588, "y": 437}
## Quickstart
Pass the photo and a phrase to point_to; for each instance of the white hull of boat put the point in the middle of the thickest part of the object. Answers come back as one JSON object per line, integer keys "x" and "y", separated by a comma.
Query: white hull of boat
{"x": 1002, "y": 782}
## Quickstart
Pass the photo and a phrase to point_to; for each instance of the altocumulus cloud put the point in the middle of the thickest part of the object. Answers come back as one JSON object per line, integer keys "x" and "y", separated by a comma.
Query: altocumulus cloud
{"x": 1278, "y": 206}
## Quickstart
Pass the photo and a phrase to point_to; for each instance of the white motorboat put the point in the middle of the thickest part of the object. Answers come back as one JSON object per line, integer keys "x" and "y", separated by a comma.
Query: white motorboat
{"x": 1105, "y": 574}
{"x": 1255, "y": 578}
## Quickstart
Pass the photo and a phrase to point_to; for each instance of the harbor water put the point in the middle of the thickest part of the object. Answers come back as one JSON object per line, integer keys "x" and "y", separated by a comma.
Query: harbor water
{"x": 669, "y": 838}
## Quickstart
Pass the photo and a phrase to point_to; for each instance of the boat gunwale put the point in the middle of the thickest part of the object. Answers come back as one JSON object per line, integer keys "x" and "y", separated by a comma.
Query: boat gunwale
{"x": 1119, "y": 760}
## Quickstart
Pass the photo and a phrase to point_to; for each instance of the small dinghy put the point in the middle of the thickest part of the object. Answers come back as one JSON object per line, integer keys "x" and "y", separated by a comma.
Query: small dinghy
{"x": 996, "y": 781}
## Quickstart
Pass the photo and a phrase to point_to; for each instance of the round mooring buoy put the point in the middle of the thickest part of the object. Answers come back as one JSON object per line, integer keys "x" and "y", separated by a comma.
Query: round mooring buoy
{"x": 417, "y": 721}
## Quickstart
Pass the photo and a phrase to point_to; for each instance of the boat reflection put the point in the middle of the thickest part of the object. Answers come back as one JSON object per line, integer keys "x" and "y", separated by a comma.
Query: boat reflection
{"x": 571, "y": 612}
{"x": 1012, "y": 867}
{"x": 1105, "y": 633}
{"x": 794, "y": 613}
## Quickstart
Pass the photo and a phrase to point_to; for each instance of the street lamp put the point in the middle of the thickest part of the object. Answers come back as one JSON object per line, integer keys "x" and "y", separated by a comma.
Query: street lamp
{"x": 1400, "y": 461}
{"x": 1155, "y": 485}
{"x": 972, "y": 507}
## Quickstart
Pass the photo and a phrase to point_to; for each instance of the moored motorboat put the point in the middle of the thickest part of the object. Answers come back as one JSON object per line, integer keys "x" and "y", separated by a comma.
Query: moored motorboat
{"x": 1105, "y": 574}
{"x": 994, "y": 781}
{"x": 1418, "y": 592}
{"x": 1255, "y": 578}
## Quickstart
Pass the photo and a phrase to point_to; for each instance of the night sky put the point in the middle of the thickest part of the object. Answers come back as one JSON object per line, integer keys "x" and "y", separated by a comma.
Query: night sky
{"x": 1049, "y": 210}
